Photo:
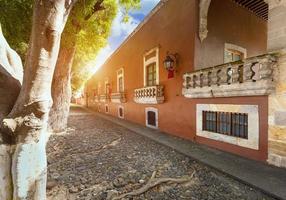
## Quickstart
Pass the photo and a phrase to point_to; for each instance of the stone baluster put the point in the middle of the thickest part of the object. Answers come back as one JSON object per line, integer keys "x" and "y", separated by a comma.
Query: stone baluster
{"x": 266, "y": 69}
{"x": 247, "y": 72}
{"x": 214, "y": 77}
{"x": 189, "y": 81}
{"x": 222, "y": 75}
{"x": 236, "y": 74}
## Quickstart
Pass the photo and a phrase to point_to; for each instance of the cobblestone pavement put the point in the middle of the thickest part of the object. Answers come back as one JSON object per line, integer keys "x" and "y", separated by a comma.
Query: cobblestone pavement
{"x": 97, "y": 159}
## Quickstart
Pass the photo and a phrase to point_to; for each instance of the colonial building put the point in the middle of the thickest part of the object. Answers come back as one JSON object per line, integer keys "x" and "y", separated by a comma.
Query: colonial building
{"x": 211, "y": 71}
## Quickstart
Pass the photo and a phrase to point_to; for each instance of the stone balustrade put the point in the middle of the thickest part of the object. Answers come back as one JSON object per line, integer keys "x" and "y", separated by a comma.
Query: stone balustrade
{"x": 96, "y": 99}
{"x": 104, "y": 98}
{"x": 118, "y": 97}
{"x": 250, "y": 77}
{"x": 149, "y": 95}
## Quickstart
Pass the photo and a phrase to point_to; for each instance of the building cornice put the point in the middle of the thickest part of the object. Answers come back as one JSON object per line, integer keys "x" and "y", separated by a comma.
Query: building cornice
{"x": 146, "y": 19}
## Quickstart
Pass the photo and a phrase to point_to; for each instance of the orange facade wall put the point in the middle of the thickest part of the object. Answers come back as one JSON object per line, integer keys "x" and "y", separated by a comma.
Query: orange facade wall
{"x": 230, "y": 23}
{"x": 174, "y": 28}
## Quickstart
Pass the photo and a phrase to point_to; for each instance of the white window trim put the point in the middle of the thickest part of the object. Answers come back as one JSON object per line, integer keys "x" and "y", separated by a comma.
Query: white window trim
{"x": 235, "y": 47}
{"x": 123, "y": 112}
{"x": 99, "y": 88}
{"x": 156, "y": 117}
{"x": 106, "y": 105}
{"x": 155, "y": 60}
{"x": 119, "y": 76}
{"x": 105, "y": 83}
{"x": 252, "y": 142}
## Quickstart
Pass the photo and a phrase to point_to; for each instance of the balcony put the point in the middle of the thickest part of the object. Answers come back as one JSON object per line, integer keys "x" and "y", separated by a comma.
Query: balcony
{"x": 118, "y": 97}
{"x": 96, "y": 99}
{"x": 149, "y": 95}
{"x": 250, "y": 77}
{"x": 104, "y": 98}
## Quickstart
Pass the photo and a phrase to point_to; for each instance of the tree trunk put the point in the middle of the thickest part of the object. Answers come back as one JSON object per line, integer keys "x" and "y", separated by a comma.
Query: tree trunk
{"x": 27, "y": 121}
{"x": 61, "y": 90}
{"x": 11, "y": 75}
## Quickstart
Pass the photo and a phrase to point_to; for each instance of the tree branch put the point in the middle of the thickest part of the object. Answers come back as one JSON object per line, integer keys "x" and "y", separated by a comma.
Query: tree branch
{"x": 97, "y": 7}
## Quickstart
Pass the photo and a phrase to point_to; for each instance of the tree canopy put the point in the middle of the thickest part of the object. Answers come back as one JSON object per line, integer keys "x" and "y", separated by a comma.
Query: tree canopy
{"x": 87, "y": 29}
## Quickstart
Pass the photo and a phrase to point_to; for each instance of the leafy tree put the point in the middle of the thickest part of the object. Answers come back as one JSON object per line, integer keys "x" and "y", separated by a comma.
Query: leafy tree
{"x": 24, "y": 108}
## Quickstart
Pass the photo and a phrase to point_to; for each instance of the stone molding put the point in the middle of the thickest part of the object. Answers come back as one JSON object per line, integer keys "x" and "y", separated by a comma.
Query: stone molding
{"x": 118, "y": 97}
{"x": 253, "y": 128}
{"x": 203, "y": 26}
{"x": 156, "y": 115}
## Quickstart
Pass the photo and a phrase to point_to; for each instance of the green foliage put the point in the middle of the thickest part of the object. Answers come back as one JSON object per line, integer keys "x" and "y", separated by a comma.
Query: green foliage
{"x": 16, "y": 21}
{"x": 87, "y": 29}
{"x": 93, "y": 33}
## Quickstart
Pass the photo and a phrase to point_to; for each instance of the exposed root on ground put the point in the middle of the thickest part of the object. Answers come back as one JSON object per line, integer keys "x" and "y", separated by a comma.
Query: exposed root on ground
{"x": 153, "y": 182}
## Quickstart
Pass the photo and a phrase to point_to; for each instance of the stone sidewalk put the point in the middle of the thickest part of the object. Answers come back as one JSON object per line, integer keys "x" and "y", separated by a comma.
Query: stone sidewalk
{"x": 269, "y": 179}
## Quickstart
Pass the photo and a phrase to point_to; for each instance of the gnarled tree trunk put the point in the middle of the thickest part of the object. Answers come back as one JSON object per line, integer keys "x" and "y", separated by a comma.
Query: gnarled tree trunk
{"x": 11, "y": 75}
{"x": 27, "y": 122}
{"x": 61, "y": 90}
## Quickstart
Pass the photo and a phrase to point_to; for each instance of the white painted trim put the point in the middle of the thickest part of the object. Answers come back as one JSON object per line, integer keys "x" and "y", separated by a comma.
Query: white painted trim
{"x": 253, "y": 126}
{"x": 229, "y": 46}
{"x": 156, "y": 116}
{"x": 151, "y": 60}
{"x": 98, "y": 88}
{"x": 123, "y": 112}
{"x": 106, "y": 106}
{"x": 105, "y": 83}
{"x": 117, "y": 80}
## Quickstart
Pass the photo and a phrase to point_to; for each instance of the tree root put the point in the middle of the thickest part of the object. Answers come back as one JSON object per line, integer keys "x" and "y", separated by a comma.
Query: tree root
{"x": 153, "y": 182}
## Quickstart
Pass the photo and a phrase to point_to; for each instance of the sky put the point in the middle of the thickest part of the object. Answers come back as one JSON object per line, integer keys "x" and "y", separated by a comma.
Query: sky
{"x": 120, "y": 31}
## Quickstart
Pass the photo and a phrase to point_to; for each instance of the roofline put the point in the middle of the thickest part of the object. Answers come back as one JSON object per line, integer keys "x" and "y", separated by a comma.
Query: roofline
{"x": 146, "y": 19}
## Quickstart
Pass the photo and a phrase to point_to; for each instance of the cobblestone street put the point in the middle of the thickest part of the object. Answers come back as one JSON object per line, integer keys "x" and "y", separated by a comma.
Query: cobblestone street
{"x": 97, "y": 159}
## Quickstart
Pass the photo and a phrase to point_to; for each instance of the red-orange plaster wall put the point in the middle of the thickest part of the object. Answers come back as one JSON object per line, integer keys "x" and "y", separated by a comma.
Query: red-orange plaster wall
{"x": 174, "y": 28}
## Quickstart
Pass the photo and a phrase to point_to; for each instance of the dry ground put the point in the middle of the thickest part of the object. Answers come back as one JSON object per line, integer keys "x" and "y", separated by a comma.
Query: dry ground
{"x": 97, "y": 159}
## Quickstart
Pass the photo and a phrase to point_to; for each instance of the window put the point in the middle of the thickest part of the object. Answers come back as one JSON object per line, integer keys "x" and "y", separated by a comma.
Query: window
{"x": 151, "y": 67}
{"x": 99, "y": 89}
{"x": 233, "y": 53}
{"x": 120, "y": 112}
{"x": 106, "y": 109}
{"x": 120, "y": 80}
{"x": 107, "y": 87}
{"x": 226, "y": 123}
{"x": 151, "y": 74}
{"x": 151, "y": 117}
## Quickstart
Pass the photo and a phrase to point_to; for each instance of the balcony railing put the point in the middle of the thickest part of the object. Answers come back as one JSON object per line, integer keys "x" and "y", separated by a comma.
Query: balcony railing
{"x": 96, "y": 99}
{"x": 104, "y": 98}
{"x": 249, "y": 77}
{"x": 118, "y": 97}
{"x": 149, "y": 95}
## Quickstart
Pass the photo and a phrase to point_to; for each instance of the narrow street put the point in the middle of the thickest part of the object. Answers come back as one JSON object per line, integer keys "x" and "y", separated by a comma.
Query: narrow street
{"x": 97, "y": 159}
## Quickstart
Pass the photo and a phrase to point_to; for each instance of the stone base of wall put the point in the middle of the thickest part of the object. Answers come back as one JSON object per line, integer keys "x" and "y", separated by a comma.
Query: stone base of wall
{"x": 277, "y": 153}
{"x": 277, "y": 116}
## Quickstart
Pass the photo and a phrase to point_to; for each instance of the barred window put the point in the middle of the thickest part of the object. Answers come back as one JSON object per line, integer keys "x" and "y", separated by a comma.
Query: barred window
{"x": 226, "y": 123}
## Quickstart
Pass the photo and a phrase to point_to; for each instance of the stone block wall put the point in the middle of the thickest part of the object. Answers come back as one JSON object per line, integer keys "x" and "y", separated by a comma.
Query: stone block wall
{"x": 277, "y": 100}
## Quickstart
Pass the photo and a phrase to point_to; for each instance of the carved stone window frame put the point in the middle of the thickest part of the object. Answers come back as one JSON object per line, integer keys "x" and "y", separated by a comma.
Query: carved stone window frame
{"x": 234, "y": 47}
{"x": 252, "y": 142}
{"x": 155, "y": 110}
{"x": 106, "y": 108}
{"x": 123, "y": 112}
{"x": 147, "y": 62}
{"x": 120, "y": 74}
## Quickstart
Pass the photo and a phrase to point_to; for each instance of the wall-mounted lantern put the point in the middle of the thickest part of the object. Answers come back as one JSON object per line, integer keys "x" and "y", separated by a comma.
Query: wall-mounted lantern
{"x": 170, "y": 64}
